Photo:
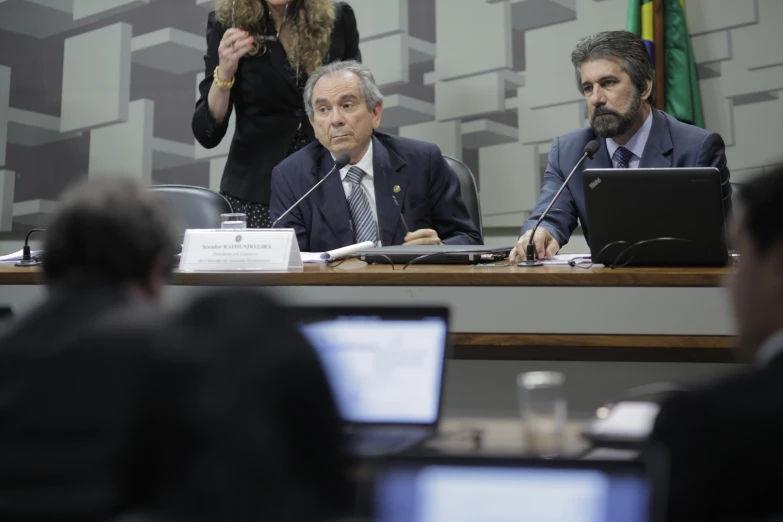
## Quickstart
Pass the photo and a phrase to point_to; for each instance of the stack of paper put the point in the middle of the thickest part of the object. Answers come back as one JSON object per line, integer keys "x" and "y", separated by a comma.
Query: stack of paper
{"x": 17, "y": 256}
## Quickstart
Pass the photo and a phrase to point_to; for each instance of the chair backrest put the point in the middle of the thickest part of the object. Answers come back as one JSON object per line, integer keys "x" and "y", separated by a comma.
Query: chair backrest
{"x": 193, "y": 207}
{"x": 468, "y": 190}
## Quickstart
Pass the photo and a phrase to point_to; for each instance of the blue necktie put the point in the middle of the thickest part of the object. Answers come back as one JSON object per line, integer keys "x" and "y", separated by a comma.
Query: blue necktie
{"x": 622, "y": 157}
{"x": 364, "y": 228}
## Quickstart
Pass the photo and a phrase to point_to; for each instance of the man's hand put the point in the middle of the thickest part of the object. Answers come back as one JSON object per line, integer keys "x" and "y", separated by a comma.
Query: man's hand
{"x": 545, "y": 243}
{"x": 423, "y": 236}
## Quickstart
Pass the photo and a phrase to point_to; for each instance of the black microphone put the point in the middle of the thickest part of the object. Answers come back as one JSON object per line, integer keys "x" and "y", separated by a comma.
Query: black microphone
{"x": 530, "y": 259}
{"x": 27, "y": 259}
{"x": 339, "y": 162}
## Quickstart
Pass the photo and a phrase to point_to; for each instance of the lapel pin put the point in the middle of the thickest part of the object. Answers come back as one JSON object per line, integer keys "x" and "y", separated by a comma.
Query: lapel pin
{"x": 396, "y": 189}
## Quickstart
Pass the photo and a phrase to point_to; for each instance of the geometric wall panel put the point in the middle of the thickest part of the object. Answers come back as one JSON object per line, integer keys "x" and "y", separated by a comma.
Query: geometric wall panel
{"x": 96, "y": 78}
{"x": 125, "y": 149}
{"x": 7, "y": 182}
{"x": 169, "y": 50}
{"x": 447, "y": 135}
{"x": 380, "y": 18}
{"x": 93, "y": 8}
{"x": 5, "y": 94}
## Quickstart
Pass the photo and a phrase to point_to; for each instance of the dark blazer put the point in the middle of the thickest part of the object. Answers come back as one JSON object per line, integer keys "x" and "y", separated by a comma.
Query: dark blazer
{"x": 724, "y": 445}
{"x": 268, "y": 105}
{"x": 77, "y": 408}
{"x": 671, "y": 143}
{"x": 429, "y": 196}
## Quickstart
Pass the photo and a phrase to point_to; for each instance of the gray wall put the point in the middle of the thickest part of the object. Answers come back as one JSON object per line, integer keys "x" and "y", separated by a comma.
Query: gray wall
{"x": 107, "y": 87}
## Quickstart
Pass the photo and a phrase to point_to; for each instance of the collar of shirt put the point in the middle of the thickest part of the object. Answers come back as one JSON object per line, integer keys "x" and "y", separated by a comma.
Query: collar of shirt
{"x": 365, "y": 164}
{"x": 770, "y": 348}
{"x": 635, "y": 144}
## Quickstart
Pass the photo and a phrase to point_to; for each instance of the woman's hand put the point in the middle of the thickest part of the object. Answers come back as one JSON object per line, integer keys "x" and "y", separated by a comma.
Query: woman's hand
{"x": 235, "y": 44}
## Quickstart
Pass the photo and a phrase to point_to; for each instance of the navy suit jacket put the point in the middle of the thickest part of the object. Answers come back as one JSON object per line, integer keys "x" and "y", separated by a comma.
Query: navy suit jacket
{"x": 429, "y": 196}
{"x": 671, "y": 143}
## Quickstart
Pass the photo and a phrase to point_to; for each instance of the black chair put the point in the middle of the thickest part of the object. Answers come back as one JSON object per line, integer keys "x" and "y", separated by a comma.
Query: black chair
{"x": 468, "y": 190}
{"x": 194, "y": 207}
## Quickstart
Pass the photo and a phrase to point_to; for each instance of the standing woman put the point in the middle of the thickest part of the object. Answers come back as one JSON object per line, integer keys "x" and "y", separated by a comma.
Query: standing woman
{"x": 259, "y": 56}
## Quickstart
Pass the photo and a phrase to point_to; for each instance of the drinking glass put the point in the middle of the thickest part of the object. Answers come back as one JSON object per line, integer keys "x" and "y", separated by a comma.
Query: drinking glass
{"x": 233, "y": 220}
{"x": 543, "y": 410}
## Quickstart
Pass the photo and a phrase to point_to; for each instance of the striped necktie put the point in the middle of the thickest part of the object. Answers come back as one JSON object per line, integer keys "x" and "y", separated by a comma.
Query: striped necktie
{"x": 364, "y": 228}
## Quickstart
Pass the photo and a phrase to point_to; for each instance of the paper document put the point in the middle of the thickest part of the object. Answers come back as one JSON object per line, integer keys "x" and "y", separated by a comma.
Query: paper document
{"x": 17, "y": 256}
{"x": 563, "y": 259}
{"x": 337, "y": 253}
{"x": 631, "y": 419}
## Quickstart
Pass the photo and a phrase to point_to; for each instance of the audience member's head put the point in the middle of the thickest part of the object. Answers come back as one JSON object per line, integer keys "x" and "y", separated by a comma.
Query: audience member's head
{"x": 757, "y": 283}
{"x": 345, "y": 106}
{"x": 270, "y": 407}
{"x": 616, "y": 77}
{"x": 113, "y": 231}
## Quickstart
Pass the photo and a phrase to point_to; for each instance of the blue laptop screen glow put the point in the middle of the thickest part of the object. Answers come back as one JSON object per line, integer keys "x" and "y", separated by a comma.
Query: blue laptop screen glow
{"x": 382, "y": 371}
{"x": 444, "y": 493}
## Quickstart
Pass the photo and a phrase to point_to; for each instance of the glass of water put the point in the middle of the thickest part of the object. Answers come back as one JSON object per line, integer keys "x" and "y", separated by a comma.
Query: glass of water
{"x": 543, "y": 410}
{"x": 233, "y": 221}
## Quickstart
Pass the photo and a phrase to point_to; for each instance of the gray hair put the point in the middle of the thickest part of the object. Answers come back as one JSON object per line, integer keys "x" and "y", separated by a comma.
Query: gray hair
{"x": 367, "y": 86}
{"x": 623, "y": 46}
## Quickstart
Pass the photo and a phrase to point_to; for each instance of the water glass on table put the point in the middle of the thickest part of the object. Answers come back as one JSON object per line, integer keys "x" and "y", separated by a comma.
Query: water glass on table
{"x": 543, "y": 410}
{"x": 232, "y": 221}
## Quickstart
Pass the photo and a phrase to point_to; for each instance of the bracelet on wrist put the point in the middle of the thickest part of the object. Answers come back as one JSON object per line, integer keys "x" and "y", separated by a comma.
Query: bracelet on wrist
{"x": 221, "y": 84}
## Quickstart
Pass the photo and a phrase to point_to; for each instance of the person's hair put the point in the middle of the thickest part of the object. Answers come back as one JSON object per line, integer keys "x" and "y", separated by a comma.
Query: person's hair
{"x": 760, "y": 209}
{"x": 367, "y": 86}
{"x": 310, "y": 21}
{"x": 623, "y": 47}
{"x": 113, "y": 230}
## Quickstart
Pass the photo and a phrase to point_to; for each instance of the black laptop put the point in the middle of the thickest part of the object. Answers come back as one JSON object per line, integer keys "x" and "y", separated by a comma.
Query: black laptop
{"x": 435, "y": 254}
{"x": 655, "y": 217}
{"x": 386, "y": 368}
{"x": 456, "y": 488}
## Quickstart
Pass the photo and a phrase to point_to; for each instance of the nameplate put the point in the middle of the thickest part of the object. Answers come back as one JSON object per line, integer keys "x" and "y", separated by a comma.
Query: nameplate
{"x": 219, "y": 250}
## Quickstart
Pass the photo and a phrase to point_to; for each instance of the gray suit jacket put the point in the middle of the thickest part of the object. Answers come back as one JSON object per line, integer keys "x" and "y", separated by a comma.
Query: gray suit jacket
{"x": 671, "y": 144}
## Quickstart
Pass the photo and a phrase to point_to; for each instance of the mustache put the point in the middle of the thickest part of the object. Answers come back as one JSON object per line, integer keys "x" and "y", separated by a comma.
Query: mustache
{"x": 600, "y": 111}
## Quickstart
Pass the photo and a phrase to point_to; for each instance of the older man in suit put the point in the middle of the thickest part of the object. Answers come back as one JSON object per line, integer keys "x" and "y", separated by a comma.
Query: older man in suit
{"x": 616, "y": 77}
{"x": 724, "y": 439}
{"x": 394, "y": 191}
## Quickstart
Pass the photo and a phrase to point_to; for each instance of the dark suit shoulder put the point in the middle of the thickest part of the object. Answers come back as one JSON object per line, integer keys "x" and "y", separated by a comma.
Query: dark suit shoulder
{"x": 407, "y": 148}
{"x": 685, "y": 135}
{"x": 302, "y": 160}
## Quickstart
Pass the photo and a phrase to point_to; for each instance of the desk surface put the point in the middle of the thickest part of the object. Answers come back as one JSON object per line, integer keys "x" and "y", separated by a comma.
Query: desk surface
{"x": 357, "y": 273}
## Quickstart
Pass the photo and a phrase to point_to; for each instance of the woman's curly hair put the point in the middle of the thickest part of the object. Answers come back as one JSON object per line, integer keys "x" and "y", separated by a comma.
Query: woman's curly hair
{"x": 310, "y": 23}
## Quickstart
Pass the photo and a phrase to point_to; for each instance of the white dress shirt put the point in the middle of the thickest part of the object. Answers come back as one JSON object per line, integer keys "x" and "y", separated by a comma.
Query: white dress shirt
{"x": 636, "y": 144}
{"x": 367, "y": 184}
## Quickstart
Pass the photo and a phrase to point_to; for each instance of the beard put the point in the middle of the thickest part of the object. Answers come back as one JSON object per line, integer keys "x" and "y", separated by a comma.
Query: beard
{"x": 608, "y": 123}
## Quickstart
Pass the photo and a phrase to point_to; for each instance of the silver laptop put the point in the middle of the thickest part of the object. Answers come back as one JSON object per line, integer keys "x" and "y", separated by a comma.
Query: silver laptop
{"x": 386, "y": 368}
{"x": 465, "y": 489}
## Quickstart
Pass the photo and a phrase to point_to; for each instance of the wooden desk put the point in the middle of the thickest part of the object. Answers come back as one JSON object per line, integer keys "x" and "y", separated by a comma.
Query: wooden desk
{"x": 507, "y": 313}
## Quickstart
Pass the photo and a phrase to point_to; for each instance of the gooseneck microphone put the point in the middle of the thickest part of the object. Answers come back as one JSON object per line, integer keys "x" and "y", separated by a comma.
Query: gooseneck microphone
{"x": 530, "y": 251}
{"x": 27, "y": 259}
{"x": 339, "y": 162}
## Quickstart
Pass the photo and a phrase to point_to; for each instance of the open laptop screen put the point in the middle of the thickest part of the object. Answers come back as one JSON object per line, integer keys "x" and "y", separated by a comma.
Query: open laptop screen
{"x": 506, "y": 493}
{"x": 384, "y": 365}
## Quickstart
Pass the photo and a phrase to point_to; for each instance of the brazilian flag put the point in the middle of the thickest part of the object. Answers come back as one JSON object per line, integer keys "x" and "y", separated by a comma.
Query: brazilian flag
{"x": 682, "y": 96}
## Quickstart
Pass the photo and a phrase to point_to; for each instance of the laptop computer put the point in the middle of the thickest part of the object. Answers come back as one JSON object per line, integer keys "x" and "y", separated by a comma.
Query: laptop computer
{"x": 655, "y": 217}
{"x": 435, "y": 254}
{"x": 386, "y": 367}
{"x": 454, "y": 489}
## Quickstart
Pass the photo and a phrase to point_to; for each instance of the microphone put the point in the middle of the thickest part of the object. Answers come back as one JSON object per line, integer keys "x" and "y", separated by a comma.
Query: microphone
{"x": 339, "y": 162}
{"x": 27, "y": 259}
{"x": 530, "y": 258}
